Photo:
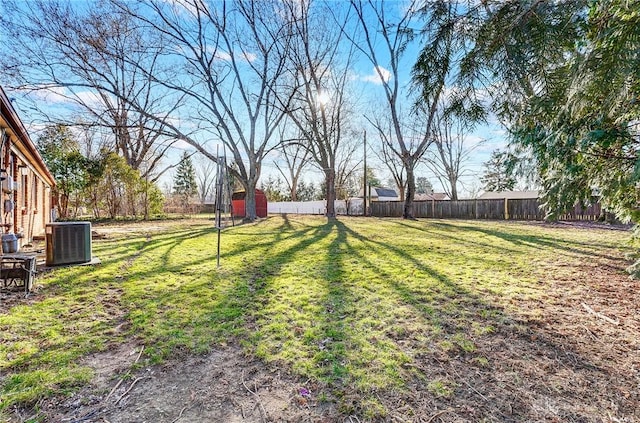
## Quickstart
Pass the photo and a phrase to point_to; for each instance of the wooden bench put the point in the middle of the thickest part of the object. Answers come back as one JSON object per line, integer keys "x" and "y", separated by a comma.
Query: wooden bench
{"x": 18, "y": 270}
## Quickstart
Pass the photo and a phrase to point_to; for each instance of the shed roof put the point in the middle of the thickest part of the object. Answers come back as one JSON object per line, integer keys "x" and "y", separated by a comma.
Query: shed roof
{"x": 240, "y": 195}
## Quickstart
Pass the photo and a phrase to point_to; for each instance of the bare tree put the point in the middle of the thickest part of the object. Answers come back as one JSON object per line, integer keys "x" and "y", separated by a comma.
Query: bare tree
{"x": 395, "y": 167}
{"x": 347, "y": 180}
{"x": 452, "y": 152}
{"x": 295, "y": 156}
{"x": 89, "y": 61}
{"x": 386, "y": 36}
{"x": 205, "y": 177}
{"x": 319, "y": 74}
{"x": 231, "y": 57}
{"x": 385, "y": 39}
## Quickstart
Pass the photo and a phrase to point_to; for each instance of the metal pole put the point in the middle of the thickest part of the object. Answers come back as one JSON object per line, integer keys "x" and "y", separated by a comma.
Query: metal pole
{"x": 364, "y": 184}
{"x": 218, "y": 252}
{"x": 218, "y": 201}
{"x": 228, "y": 186}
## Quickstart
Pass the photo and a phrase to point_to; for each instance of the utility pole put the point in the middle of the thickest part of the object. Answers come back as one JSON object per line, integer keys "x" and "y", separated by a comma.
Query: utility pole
{"x": 364, "y": 184}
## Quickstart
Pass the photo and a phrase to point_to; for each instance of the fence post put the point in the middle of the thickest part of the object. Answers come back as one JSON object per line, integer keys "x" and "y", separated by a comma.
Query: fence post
{"x": 506, "y": 209}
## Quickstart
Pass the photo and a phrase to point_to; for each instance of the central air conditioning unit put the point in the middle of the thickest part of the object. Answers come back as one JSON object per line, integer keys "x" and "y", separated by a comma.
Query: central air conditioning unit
{"x": 68, "y": 243}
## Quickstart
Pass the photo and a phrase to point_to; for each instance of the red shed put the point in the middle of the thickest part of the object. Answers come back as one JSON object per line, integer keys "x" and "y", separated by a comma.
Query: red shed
{"x": 237, "y": 200}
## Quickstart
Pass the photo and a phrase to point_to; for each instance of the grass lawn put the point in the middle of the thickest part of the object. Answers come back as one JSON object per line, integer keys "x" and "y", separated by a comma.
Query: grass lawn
{"x": 385, "y": 317}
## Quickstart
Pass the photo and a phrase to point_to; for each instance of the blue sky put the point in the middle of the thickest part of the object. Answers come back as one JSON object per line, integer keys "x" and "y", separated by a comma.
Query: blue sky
{"x": 368, "y": 96}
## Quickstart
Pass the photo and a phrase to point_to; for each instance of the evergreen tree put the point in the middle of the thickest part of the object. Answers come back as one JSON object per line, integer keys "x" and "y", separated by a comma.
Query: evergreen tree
{"x": 497, "y": 176}
{"x": 273, "y": 189}
{"x": 372, "y": 179}
{"x": 308, "y": 192}
{"x": 184, "y": 182}
{"x": 565, "y": 82}
{"x": 423, "y": 185}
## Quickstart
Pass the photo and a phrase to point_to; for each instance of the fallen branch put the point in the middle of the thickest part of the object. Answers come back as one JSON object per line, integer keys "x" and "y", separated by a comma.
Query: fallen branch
{"x": 139, "y": 354}
{"x": 87, "y": 416}
{"x": 179, "y": 415}
{"x": 255, "y": 394}
{"x": 123, "y": 377}
{"x": 600, "y": 315}
{"x": 591, "y": 334}
{"x": 130, "y": 388}
{"x": 114, "y": 389}
{"x": 467, "y": 383}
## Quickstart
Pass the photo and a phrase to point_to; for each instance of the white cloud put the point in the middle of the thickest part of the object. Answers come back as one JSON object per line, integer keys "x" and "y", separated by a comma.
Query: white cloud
{"x": 90, "y": 99}
{"x": 222, "y": 56}
{"x": 182, "y": 145}
{"x": 378, "y": 76}
{"x": 249, "y": 57}
{"x": 49, "y": 94}
{"x": 187, "y": 6}
{"x": 54, "y": 94}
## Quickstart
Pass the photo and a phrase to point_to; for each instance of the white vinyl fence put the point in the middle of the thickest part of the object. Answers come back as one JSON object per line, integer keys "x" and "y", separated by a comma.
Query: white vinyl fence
{"x": 353, "y": 205}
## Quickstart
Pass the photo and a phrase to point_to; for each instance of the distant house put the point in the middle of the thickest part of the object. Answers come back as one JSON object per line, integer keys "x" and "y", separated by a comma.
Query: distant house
{"x": 437, "y": 196}
{"x": 509, "y": 195}
{"x": 381, "y": 194}
{"x": 27, "y": 184}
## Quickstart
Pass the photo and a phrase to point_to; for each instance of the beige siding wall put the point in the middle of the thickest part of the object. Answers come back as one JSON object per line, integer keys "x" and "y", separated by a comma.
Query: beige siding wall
{"x": 32, "y": 203}
{"x": 25, "y": 205}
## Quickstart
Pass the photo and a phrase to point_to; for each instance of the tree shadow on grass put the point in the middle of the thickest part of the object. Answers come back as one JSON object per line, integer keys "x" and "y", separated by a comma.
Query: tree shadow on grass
{"x": 327, "y": 322}
{"x": 303, "y": 322}
{"x": 130, "y": 297}
{"x": 221, "y": 299}
{"x": 479, "y": 354}
{"x": 557, "y": 243}
{"x": 467, "y": 326}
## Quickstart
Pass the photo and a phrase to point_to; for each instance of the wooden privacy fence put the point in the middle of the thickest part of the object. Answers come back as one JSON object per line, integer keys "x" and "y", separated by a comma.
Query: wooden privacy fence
{"x": 517, "y": 209}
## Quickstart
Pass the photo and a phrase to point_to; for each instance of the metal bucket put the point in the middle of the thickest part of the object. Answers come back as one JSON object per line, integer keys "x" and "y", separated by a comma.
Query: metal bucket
{"x": 9, "y": 243}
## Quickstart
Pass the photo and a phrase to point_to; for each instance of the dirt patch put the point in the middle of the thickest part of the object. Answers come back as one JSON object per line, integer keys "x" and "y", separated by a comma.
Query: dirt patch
{"x": 223, "y": 386}
{"x": 11, "y": 296}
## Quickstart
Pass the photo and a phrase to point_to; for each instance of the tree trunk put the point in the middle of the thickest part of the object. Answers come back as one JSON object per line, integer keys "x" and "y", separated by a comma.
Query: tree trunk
{"x": 250, "y": 202}
{"x": 64, "y": 205}
{"x": 454, "y": 193}
{"x": 294, "y": 189}
{"x": 330, "y": 185}
{"x": 410, "y": 193}
{"x": 454, "y": 188}
{"x": 145, "y": 200}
